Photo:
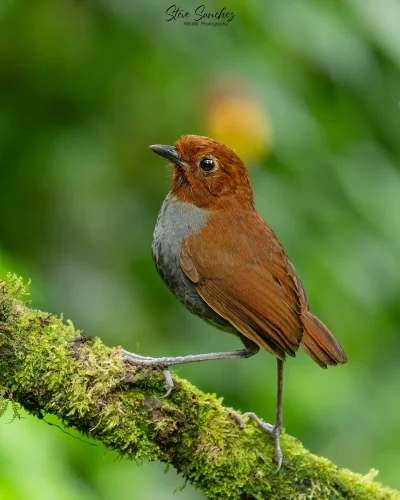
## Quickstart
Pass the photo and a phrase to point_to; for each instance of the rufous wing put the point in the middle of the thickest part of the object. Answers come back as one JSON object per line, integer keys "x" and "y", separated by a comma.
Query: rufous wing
{"x": 242, "y": 274}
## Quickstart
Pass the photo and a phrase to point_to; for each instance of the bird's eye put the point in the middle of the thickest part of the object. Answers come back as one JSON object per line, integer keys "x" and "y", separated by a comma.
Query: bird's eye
{"x": 207, "y": 164}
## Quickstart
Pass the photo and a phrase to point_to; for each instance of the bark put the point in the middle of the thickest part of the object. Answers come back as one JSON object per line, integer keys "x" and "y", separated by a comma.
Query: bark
{"x": 49, "y": 367}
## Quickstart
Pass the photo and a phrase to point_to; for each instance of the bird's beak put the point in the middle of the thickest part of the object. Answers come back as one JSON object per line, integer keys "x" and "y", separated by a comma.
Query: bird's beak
{"x": 168, "y": 152}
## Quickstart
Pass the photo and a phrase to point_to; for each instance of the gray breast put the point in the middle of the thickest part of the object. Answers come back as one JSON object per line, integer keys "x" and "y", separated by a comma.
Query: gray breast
{"x": 176, "y": 221}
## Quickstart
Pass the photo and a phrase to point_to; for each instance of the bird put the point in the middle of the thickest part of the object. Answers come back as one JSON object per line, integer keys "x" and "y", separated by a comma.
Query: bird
{"x": 222, "y": 260}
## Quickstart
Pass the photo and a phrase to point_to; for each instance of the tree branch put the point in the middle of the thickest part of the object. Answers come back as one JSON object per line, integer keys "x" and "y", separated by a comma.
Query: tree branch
{"x": 49, "y": 367}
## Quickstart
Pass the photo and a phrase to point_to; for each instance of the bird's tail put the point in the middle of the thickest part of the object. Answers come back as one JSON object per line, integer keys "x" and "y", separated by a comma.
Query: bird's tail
{"x": 319, "y": 342}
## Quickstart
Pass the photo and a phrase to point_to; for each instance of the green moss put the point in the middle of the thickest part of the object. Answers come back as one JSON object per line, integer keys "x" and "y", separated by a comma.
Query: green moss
{"x": 49, "y": 367}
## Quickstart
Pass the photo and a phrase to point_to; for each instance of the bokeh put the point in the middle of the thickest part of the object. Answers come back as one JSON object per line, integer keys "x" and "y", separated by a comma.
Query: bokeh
{"x": 308, "y": 92}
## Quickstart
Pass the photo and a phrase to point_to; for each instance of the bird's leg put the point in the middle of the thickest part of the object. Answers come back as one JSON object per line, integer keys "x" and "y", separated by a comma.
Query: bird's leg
{"x": 182, "y": 360}
{"x": 273, "y": 430}
{"x": 165, "y": 363}
{"x": 277, "y": 430}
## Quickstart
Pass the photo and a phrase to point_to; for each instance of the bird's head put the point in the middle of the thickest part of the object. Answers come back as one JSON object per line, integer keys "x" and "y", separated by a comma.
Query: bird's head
{"x": 207, "y": 173}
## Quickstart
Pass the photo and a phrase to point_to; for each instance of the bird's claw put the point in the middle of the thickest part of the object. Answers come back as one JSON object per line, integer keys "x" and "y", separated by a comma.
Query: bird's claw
{"x": 237, "y": 419}
{"x": 135, "y": 359}
{"x": 169, "y": 383}
{"x": 273, "y": 430}
{"x": 276, "y": 434}
{"x": 263, "y": 425}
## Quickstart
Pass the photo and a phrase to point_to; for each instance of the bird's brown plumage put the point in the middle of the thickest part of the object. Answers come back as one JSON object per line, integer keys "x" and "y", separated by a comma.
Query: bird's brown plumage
{"x": 225, "y": 188}
{"x": 236, "y": 262}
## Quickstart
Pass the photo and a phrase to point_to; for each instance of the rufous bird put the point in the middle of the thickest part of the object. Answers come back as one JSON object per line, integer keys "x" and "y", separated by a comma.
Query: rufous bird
{"x": 224, "y": 263}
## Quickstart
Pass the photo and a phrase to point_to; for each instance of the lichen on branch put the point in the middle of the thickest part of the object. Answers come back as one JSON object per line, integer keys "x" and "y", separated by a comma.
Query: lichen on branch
{"x": 47, "y": 366}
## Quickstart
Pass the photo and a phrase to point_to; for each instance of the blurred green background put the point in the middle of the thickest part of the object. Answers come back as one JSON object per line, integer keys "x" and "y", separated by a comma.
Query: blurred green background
{"x": 309, "y": 93}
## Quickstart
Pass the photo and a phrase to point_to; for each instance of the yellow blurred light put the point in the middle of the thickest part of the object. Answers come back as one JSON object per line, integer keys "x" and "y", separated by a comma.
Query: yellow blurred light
{"x": 240, "y": 122}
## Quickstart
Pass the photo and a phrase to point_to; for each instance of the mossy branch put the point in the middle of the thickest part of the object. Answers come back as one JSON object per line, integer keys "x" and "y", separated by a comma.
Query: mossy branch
{"x": 49, "y": 367}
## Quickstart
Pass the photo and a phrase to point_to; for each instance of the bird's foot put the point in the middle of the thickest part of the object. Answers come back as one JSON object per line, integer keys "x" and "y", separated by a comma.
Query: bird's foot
{"x": 136, "y": 359}
{"x": 165, "y": 363}
{"x": 273, "y": 430}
